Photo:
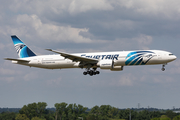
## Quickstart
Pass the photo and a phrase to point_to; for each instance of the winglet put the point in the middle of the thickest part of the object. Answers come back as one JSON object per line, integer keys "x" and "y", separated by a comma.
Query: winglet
{"x": 49, "y": 49}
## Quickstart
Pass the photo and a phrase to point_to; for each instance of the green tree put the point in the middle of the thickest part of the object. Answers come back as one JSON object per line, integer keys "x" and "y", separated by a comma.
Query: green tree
{"x": 123, "y": 114}
{"x": 41, "y": 106}
{"x": 60, "y": 108}
{"x": 155, "y": 119}
{"x": 70, "y": 114}
{"x": 155, "y": 114}
{"x": 95, "y": 112}
{"x": 91, "y": 117}
{"x": 33, "y": 109}
{"x": 63, "y": 115}
{"x": 21, "y": 117}
{"x": 143, "y": 115}
{"x": 30, "y": 110}
{"x": 80, "y": 110}
{"x": 74, "y": 111}
{"x": 170, "y": 114}
{"x": 113, "y": 112}
{"x": 105, "y": 112}
{"x": 37, "y": 118}
{"x": 49, "y": 114}
{"x": 7, "y": 116}
{"x": 164, "y": 117}
{"x": 176, "y": 117}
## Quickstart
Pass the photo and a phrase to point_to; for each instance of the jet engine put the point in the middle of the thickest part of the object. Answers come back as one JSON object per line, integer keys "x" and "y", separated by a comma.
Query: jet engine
{"x": 109, "y": 64}
{"x": 117, "y": 68}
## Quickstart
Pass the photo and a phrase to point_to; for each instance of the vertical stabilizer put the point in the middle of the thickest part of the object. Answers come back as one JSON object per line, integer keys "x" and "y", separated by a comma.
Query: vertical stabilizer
{"x": 22, "y": 50}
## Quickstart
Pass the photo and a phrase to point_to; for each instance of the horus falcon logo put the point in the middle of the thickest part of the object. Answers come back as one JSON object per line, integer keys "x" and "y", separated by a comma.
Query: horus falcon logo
{"x": 139, "y": 57}
{"x": 19, "y": 47}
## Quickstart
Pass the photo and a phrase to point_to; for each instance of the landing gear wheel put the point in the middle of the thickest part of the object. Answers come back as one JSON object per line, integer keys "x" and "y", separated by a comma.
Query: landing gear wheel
{"x": 91, "y": 73}
{"x": 97, "y": 72}
{"x": 84, "y": 73}
{"x": 94, "y": 73}
{"x": 163, "y": 67}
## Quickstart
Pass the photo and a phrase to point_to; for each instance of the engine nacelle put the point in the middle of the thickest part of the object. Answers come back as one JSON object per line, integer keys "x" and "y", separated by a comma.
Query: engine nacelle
{"x": 117, "y": 68}
{"x": 105, "y": 64}
{"x": 109, "y": 64}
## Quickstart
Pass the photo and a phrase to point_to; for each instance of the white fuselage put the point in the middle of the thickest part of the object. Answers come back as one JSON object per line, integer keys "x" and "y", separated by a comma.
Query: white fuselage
{"x": 120, "y": 58}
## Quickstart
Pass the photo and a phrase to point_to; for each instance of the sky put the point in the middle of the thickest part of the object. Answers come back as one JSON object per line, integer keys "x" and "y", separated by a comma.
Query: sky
{"x": 76, "y": 26}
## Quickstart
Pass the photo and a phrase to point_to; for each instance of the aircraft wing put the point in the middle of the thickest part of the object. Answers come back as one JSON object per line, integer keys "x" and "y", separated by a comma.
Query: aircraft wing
{"x": 74, "y": 57}
{"x": 18, "y": 60}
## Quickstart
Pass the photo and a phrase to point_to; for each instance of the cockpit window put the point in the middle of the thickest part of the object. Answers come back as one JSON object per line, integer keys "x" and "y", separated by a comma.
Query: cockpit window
{"x": 171, "y": 54}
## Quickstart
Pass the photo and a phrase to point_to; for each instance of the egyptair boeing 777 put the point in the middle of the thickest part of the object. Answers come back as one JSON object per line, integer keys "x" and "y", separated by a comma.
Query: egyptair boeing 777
{"x": 114, "y": 61}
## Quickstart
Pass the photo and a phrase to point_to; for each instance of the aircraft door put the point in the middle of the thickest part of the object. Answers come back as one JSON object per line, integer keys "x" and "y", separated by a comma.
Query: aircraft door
{"x": 159, "y": 56}
{"x": 39, "y": 60}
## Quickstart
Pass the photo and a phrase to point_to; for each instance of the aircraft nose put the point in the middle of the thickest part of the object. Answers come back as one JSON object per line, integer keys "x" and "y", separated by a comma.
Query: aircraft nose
{"x": 171, "y": 57}
{"x": 174, "y": 57}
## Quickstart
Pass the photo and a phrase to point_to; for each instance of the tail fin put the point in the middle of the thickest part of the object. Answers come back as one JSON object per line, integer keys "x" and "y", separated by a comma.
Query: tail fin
{"x": 22, "y": 50}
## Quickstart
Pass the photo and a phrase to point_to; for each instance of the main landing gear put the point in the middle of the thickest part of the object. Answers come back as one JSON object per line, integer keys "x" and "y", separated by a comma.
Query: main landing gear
{"x": 91, "y": 72}
{"x": 163, "y": 67}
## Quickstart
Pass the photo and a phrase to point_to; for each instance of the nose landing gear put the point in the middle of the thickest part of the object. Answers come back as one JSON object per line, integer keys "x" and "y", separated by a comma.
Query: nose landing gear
{"x": 163, "y": 67}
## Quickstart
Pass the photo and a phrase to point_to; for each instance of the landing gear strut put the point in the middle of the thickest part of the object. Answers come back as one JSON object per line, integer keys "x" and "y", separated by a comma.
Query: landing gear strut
{"x": 163, "y": 67}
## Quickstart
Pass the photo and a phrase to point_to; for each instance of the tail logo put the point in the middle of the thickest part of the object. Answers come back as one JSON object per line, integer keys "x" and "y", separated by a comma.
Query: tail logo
{"x": 19, "y": 47}
{"x": 22, "y": 50}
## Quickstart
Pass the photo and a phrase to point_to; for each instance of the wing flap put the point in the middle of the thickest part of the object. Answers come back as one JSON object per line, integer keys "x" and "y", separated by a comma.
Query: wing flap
{"x": 74, "y": 57}
{"x": 18, "y": 60}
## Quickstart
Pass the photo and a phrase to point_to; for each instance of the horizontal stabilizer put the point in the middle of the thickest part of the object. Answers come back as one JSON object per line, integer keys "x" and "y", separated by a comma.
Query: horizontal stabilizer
{"x": 18, "y": 60}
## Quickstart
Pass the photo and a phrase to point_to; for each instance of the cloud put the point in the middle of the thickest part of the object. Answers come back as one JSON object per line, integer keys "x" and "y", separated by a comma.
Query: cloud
{"x": 78, "y": 6}
{"x": 143, "y": 41}
{"x": 30, "y": 76}
{"x": 155, "y": 70}
{"x": 54, "y": 82}
{"x": 5, "y": 71}
{"x": 118, "y": 24}
{"x": 59, "y": 6}
{"x": 86, "y": 21}
{"x": 123, "y": 80}
{"x": 8, "y": 75}
{"x": 7, "y": 79}
{"x": 176, "y": 67}
{"x": 2, "y": 46}
{"x": 48, "y": 32}
{"x": 163, "y": 79}
{"x": 166, "y": 9}
{"x": 126, "y": 80}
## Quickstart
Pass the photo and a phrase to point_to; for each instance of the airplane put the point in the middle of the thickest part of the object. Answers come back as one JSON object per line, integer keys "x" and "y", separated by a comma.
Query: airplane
{"x": 114, "y": 61}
